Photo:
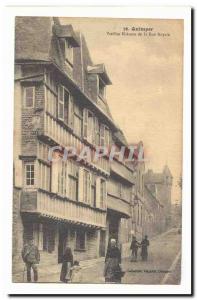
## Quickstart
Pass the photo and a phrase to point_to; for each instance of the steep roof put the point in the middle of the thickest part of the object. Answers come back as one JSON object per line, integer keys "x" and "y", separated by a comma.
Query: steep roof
{"x": 40, "y": 38}
{"x": 33, "y": 38}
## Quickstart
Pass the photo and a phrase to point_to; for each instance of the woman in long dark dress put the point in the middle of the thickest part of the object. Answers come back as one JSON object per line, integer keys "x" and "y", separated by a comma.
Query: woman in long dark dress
{"x": 144, "y": 247}
{"x": 113, "y": 271}
{"x": 67, "y": 263}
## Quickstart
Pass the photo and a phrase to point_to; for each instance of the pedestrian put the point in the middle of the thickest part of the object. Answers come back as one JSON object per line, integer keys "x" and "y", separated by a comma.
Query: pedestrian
{"x": 76, "y": 274}
{"x": 113, "y": 272}
{"x": 134, "y": 248}
{"x": 144, "y": 246}
{"x": 67, "y": 263}
{"x": 31, "y": 258}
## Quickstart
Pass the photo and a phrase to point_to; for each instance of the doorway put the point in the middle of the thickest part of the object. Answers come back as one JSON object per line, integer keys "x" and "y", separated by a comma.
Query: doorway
{"x": 63, "y": 241}
{"x": 102, "y": 243}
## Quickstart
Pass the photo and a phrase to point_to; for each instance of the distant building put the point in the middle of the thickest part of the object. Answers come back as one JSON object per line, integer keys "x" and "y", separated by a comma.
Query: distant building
{"x": 159, "y": 186}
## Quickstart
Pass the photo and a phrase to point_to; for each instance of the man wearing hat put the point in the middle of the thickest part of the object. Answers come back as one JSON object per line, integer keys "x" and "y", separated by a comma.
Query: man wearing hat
{"x": 31, "y": 257}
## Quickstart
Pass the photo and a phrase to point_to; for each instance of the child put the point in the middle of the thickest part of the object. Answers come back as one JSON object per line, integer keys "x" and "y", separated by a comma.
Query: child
{"x": 76, "y": 276}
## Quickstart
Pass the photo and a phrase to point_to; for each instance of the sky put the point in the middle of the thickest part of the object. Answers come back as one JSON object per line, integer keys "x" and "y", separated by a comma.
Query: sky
{"x": 145, "y": 97}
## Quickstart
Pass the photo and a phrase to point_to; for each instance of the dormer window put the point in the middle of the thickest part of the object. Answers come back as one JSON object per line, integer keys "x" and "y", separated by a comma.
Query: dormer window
{"x": 101, "y": 90}
{"x": 68, "y": 52}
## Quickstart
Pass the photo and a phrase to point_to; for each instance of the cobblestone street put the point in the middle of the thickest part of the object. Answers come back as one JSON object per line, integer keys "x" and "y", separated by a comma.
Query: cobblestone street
{"x": 163, "y": 265}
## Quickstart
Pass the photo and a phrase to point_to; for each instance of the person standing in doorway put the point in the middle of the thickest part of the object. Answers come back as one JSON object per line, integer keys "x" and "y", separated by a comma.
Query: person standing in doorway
{"x": 134, "y": 248}
{"x": 67, "y": 263}
{"x": 31, "y": 257}
{"x": 144, "y": 246}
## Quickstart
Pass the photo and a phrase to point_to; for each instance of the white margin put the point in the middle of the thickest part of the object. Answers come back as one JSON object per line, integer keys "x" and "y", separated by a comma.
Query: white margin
{"x": 6, "y": 124}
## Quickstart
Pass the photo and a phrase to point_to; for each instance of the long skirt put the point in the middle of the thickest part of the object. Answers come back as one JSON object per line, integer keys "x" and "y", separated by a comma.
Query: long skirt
{"x": 65, "y": 275}
{"x": 112, "y": 270}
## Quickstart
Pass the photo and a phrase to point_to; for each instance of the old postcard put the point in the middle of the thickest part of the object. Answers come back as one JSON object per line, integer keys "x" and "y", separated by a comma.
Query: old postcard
{"x": 98, "y": 132}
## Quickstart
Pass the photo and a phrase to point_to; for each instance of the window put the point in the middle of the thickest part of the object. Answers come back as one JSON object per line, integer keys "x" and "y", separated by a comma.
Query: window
{"x": 86, "y": 186}
{"x": 50, "y": 81}
{"x": 80, "y": 239}
{"x": 68, "y": 52}
{"x": 66, "y": 105}
{"x": 63, "y": 104}
{"x": 95, "y": 134}
{"x": 90, "y": 127}
{"x": 73, "y": 181}
{"x": 96, "y": 131}
{"x": 93, "y": 190}
{"x": 104, "y": 135}
{"x": 29, "y": 174}
{"x": 62, "y": 178}
{"x": 29, "y": 95}
{"x": 45, "y": 176}
{"x": 101, "y": 91}
{"x": 78, "y": 119}
{"x": 103, "y": 194}
{"x": 107, "y": 138}
{"x": 51, "y": 101}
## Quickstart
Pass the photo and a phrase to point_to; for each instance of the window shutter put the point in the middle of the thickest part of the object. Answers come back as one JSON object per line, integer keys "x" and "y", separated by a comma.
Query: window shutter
{"x": 106, "y": 134}
{"x": 80, "y": 185}
{"x": 98, "y": 191}
{"x": 61, "y": 102}
{"x": 67, "y": 170}
{"x": 54, "y": 178}
{"x": 102, "y": 135}
{"x": 96, "y": 131}
{"x": 18, "y": 174}
{"x": 29, "y": 95}
{"x": 90, "y": 127}
{"x": 71, "y": 111}
{"x": 65, "y": 188}
{"x": 105, "y": 196}
{"x": 85, "y": 123}
{"x": 89, "y": 188}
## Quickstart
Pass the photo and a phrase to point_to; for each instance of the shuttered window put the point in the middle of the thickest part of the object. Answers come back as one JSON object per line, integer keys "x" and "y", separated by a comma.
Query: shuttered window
{"x": 45, "y": 176}
{"x": 73, "y": 181}
{"x": 85, "y": 123}
{"x": 93, "y": 190}
{"x": 78, "y": 120}
{"x": 96, "y": 132}
{"x": 68, "y": 52}
{"x": 29, "y": 96}
{"x": 86, "y": 186}
{"x": 63, "y": 104}
{"x": 102, "y": 135}
{"x": 103, "y": 193}
{"x": 62, "y": 178}
{"x": 101, "y": 91}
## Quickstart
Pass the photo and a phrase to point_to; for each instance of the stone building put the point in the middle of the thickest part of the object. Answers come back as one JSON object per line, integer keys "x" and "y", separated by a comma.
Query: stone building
{"x": 60, "y": 100}
{"x": 159, "y": 186}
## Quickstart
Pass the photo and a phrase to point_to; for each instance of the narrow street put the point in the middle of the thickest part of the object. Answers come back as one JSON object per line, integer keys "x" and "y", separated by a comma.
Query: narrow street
{"x": 162, "y": 267}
